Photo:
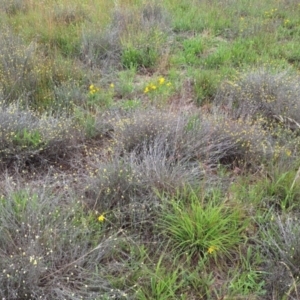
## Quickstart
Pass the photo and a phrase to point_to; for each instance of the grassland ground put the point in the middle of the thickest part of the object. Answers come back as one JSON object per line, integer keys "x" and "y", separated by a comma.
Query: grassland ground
{"x": 149, "y": 149}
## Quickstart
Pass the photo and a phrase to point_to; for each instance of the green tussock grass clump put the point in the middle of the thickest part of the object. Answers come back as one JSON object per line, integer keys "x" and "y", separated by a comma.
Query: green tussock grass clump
{"x": 202, "y": 226}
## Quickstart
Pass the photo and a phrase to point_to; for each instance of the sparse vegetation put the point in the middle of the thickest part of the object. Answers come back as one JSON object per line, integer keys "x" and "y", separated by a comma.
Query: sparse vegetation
{"x": 149, "y": 150}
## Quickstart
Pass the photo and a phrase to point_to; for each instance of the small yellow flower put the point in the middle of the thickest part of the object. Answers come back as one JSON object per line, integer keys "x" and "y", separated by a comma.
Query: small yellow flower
{"x": 288, "y": 152}
{"x": 101, "y": 218}
{"x": 161, "y": 80}
{"x": 169, "y": 84}
{"x": 112, "y": 85}
{"x": 93, "y": 89}
{"x": 146, "y": 90}
{"x": 212, "y": 249}
{"x": 153, "y": 87}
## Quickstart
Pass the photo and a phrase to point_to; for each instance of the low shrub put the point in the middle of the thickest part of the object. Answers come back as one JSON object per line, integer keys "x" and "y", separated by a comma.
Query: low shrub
{"x": 52, "y": 251}
{"x": 273, "y": 98}
{"x": 280, "y": 245}
{"x": 209, "y": 139}
{"x": 32, "y": 140}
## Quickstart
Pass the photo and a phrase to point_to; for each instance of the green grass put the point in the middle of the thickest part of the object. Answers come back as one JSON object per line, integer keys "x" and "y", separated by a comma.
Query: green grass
{"x": 149, "y": 150}
{"x": 201, "y": 226}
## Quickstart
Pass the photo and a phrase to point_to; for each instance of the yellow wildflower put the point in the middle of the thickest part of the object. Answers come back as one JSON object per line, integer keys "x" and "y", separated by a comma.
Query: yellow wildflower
{"x": 112, "y": 85}
{"x": 101, "y": 218}
{"x": 161, "y": 80}
{"x": 146, "y": 90}
{"x": 212, "y": 249}
{"x": 93, "y": 89}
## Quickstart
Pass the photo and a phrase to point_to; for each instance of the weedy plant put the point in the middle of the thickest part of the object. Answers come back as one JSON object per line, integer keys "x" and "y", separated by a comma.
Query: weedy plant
{"x": 17, "y": 78}
{"x": 205, "y": 85}
{"x": 125, "y": 86}
{"x": 276, "y": 188}
{"x": 144, "y": 49}
{"x": 158, "y": 91}
{"x": 130, "y": 104}
{"x": 116, "y": 45}
{"x": 192, "y": 50}
{"x": 99, "y": 98}
{"x": 282, "y": 191}
{"x": 248, "y": 277}
{"x": 163, "y": 283}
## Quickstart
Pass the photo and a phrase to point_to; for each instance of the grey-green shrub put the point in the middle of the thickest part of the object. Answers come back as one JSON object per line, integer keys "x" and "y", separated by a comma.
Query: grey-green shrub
{"x": 49, "y": 250}
{"x": 31, "y": 139}
{"x": 280, "y": 245}
{"x": 262, "y": 94}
